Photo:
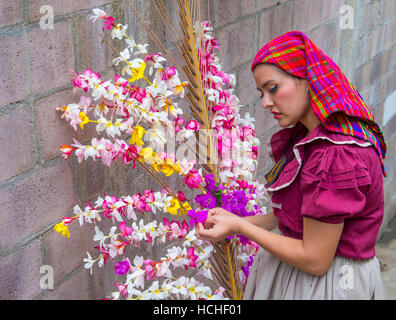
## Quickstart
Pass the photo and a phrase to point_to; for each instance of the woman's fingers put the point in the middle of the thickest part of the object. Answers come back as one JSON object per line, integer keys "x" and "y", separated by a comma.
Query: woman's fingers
{"x": 204, "y": 234}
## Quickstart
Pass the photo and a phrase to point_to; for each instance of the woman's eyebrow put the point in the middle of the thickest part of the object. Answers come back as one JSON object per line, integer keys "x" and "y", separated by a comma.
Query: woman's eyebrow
{"x": 265, "y": 84}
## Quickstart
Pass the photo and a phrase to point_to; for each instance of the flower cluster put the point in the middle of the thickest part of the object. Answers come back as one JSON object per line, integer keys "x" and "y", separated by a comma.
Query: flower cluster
{"x": 139, "y": 124}
{"x": 236, "y": 141}
{"x": 241, "y": 202}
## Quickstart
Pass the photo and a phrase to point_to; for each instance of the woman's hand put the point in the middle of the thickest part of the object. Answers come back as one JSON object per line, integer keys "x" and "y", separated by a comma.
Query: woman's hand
{"x": 218, "y": 225}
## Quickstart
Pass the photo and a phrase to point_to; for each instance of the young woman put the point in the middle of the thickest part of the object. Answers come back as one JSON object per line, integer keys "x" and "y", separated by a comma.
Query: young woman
{"x": 326, "y": 187}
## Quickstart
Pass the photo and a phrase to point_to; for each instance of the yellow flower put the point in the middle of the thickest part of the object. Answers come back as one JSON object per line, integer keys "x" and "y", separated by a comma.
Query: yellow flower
{"x": 167, "y": 167}
{"x": 185, "y": 207}
{"x": 84, "y": 119}
{"x": 169, "y": 107}
{"x": 175, "y": 205}
{"x": 62, "y": 229}
{"x": 176, "y": 167}
{"x": 148, "y": 154}
{"x": 137, "y": 135}
{"x": 138, "y": 73}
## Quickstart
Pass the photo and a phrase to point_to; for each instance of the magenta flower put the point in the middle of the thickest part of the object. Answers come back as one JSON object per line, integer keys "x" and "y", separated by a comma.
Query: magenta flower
{"x": 178, "y": 124}
{"x": 109, "y": 22}
{"x": 193, "y": 179}
{"x": 181, "y": 196}
{"x": 168, "y": 73}
{"x": 125, "y": 231}
{"x": 197, "y": 216}
{"x": 105, "y": 254}
{"x": 193, "y": 125}
{"x": 192, "y": 257}
{"x": 121, "y": 267}
{"x": 137, "y": 93}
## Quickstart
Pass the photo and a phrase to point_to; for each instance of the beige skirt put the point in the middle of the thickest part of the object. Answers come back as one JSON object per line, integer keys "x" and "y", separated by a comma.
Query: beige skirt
{"x": 347, "y": 279}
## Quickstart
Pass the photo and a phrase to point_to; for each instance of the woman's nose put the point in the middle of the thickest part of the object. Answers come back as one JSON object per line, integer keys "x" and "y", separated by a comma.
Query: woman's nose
{"x": 267, "y": 102}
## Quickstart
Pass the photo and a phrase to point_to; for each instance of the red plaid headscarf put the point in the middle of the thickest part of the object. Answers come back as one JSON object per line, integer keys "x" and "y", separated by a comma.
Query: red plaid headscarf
{"x": 331, "y": 92}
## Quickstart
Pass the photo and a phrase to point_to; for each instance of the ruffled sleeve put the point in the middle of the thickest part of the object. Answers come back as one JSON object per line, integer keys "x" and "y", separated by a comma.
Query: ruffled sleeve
{"x": 334, "y": 180}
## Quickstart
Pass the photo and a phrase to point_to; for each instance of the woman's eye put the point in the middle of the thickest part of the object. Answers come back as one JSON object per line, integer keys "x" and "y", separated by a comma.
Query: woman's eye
{"x": 273, "y": 89}
{"x": 262, "y": 96}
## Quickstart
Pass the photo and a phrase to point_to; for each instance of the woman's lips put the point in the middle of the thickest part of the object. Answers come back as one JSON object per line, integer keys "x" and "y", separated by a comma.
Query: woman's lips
{"x": 276, "y": 114}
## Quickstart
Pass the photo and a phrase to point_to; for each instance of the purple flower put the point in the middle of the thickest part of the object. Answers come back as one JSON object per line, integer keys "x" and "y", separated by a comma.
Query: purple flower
{"x": 197, "y": 216}
{"x": 206, "y": 200}
{"x": 121, "y": 267}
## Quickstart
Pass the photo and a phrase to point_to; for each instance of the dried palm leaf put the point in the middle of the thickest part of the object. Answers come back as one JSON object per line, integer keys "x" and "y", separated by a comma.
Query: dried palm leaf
{"x": 184, "y": 38}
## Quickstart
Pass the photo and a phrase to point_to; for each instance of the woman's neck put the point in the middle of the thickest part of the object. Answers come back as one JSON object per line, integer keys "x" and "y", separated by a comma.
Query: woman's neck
{"x": 310, "y": 121}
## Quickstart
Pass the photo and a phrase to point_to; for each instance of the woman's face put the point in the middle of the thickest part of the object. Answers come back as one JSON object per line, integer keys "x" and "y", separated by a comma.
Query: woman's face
{"x": 285, "y": 97}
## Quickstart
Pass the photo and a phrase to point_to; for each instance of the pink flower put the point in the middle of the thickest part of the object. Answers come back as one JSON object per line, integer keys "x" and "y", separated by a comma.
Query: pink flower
{"x": 104, "y": 252}
{"x": 109, "y": 22}
{"x": 193, "y": 179}
{"x": 141, "y": 203}
{"x": 193, "y": 125}
{"x": 192, "y": 257}
{"x": 168, "y": 73}
{"x": 90, "y": 74}
{"x": 125, "y": 231}
{"x": 246, "y": 132}
{"x": 79, "y": 82}
{"x": 130, "y": 154}
{"x": 137, "y": 93}
{"x": 85, "y": 102}
{"x": 149, "y": 195}
{"x": 178, "y": 124}
{"x": 174, "y": 229}
{"x": 255, "y": 151}
{"x": 120, "y": 81}
{"x": 180, "y": 196}
{"x": 122, "y": 289}
{"x": 117, "y": 247}
{"x": 152, "y": 57}
{"x": 243, "y": 184}
{"x": 67, "y": 150}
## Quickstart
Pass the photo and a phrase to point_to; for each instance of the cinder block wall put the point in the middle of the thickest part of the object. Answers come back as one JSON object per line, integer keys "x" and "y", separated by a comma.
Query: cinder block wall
{"x": 38, "y": 187}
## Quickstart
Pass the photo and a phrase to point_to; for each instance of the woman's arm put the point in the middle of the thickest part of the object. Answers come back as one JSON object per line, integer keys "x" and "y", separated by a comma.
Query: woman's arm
{"x": 313, "y": 254}
{"x": 266, "y": 221}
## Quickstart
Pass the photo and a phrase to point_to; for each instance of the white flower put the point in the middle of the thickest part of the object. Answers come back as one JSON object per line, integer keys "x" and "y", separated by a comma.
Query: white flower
{"x": 112, "y": 233}
{"x": 141, "y": 49}
{"x": 157, "y": 88}
{"x": 98, "y": 91}
{"x": 155, "y": 62}
{"x": 89, "y": 262}
{"x": 136, "y": 278}
{"x": 213, "y": 95}
{"x": 119, "y": 31}
{"x": 130, "y": 43}
{"x": 129, "y": 209}
{"x": 124, "y": 56}
{"x": 99, "y": 236}
{"x": 247, "y": 121}
{"x": 98, "y": 14}
{"x": 157, "y": 294}
{"x": 180, "y": 286}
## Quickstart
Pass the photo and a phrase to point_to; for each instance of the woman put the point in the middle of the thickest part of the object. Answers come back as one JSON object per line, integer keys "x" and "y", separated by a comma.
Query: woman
{"x": 326, "y": 187}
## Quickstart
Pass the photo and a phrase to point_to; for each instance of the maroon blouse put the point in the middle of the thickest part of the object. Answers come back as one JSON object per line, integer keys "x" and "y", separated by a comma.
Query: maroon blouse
{"x": 332, "y": 178}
